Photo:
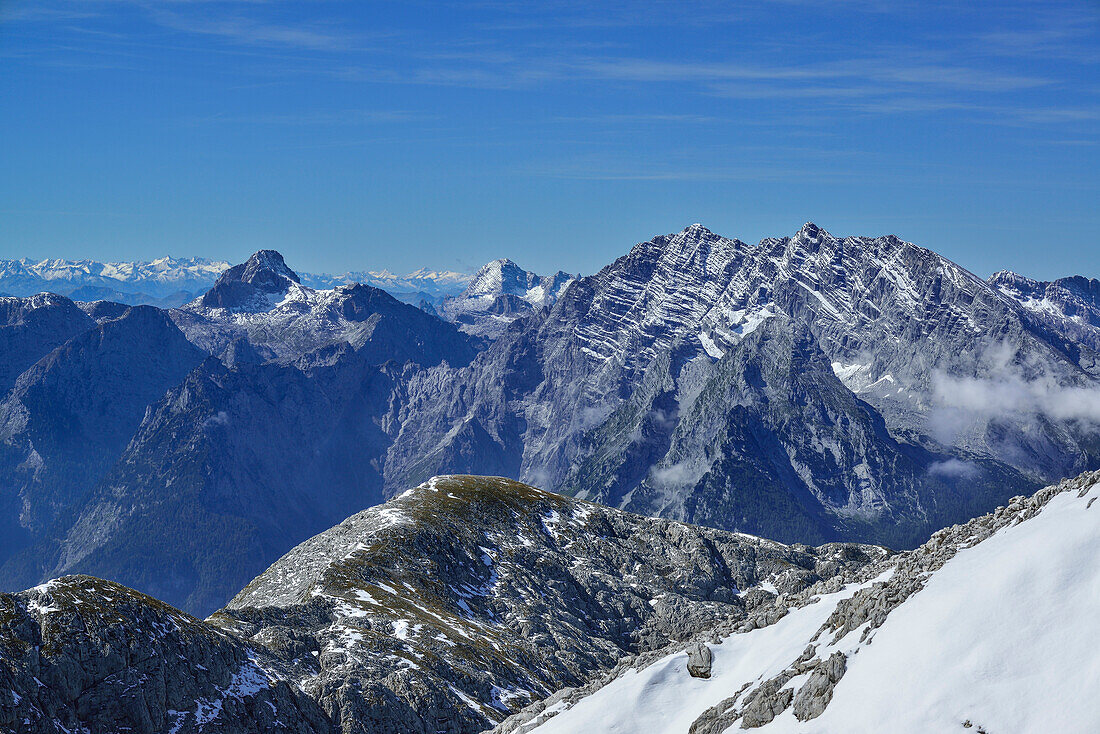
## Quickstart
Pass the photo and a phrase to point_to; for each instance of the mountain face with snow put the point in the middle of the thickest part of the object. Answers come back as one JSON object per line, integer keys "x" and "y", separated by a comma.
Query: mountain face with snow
{"x": 263, "y": 302}
{"x": 987, "y": 627}
{"x": 166, "y": 281}
{"x": 449, "y": 608}
{"x": 1070, "y": 307}
{"x": 500, "y": 293}
{"x": 809, "y": 387}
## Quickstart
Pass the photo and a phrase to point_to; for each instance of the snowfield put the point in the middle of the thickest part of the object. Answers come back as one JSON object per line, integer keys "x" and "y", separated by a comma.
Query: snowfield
{"x": 1004, "y": 637}
{"x": 664, "y": 698}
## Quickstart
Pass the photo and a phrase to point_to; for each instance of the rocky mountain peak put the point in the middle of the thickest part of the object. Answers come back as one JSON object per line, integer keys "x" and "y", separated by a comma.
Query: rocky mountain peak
{"x": 500, "y": 292}
{"x": 265, "y": 269}
{"x": 811, "y": 231}
{"x": 264, "y": 273}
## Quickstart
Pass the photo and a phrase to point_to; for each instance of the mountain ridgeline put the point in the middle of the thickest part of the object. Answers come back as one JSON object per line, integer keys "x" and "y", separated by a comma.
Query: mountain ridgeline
{"x": 809, "y": 389}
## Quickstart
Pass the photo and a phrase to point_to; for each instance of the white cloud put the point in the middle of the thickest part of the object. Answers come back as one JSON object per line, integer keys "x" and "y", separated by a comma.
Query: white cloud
{"x": 955, "y": 469}
{"x": 1009, "y": 394}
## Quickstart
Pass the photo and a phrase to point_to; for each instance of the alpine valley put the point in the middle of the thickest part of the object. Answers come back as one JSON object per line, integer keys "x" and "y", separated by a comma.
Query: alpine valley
{"x": 697, "y": 484}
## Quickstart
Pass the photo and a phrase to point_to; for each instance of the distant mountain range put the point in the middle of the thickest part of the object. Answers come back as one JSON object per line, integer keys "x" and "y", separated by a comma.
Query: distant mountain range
{"x": 807, "y": 388}
{"x": 170, "y": 282}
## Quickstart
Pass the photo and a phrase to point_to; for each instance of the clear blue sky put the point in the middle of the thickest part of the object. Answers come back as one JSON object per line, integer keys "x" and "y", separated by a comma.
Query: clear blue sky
{"x": 355, "y": 135}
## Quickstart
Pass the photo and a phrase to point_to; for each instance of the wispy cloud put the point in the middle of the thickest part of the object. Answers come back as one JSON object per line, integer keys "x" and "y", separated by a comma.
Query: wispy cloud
{"x": 315, "y": 118}
{"x": 249, "y": 31}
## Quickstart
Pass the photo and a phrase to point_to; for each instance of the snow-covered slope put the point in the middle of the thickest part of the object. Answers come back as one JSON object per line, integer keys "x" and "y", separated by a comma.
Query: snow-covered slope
{"x": 990, "y": 626}
{"x": 500, "y": 293}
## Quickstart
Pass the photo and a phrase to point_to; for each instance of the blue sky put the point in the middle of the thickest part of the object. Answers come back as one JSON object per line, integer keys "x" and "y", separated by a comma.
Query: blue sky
{"x": 356, "y": 135}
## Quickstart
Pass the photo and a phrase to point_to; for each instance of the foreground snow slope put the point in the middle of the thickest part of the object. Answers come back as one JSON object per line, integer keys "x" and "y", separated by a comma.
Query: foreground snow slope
{"x": 1001, "y": 636}
{"x": 1004, "y": 635}
{"x": 664, "y": 698}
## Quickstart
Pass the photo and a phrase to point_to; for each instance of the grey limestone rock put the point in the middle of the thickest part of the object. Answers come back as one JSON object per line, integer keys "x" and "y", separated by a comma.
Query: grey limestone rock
{"x": 817, "y": 691}
{"x": 699, "y": 660}
{"x": 82, "y": 654}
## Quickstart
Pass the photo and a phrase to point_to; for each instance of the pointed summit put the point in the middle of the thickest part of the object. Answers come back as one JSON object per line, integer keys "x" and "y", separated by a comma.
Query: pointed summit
{"x": 696, "y": 230}
{"x": 810, "y": 231}
{"x": 266, "y": 269}
{"x": 262, "y": 274}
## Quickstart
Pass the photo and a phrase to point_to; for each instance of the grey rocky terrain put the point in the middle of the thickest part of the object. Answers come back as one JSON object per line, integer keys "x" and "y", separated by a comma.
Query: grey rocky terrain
{"x": 83, "y": 654}
{"x": 805, "y": 686}
{"x": 448, "y": 608}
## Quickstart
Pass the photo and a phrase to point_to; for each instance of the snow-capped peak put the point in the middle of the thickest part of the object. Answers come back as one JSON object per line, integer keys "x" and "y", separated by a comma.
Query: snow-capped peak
{"x": 500, "y": 292}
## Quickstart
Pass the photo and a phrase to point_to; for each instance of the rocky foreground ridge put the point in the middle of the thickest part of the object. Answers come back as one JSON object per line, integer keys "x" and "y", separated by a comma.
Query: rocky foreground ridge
{"x": 449, "y": 608}
{"x": 469, "y": 603}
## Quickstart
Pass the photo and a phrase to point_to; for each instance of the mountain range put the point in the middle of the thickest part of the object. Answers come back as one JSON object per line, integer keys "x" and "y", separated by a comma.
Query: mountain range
{"x": 810, "y": 389}
{"x": 169, "y": 282}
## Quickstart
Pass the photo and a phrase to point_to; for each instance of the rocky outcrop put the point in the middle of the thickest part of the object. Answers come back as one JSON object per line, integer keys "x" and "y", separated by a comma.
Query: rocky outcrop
{"x": 815, "y": 694}
{"x": 468, "y": 598}
{"x": 82, "y": 654}
{"x": 699, "y": 660}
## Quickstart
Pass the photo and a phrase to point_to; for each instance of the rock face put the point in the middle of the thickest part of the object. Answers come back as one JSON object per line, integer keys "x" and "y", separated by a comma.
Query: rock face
{"x": 468, "y": 598}
{"x": 806, "y": 388}
{"x": 1070, "y": 307}
{"x": 500, "y": 293}
{"x": 82, "y": 654}
{"x": 1026, "y": 571}
{"x": 69, "y": 416}
{"x": 31, "y": 328}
